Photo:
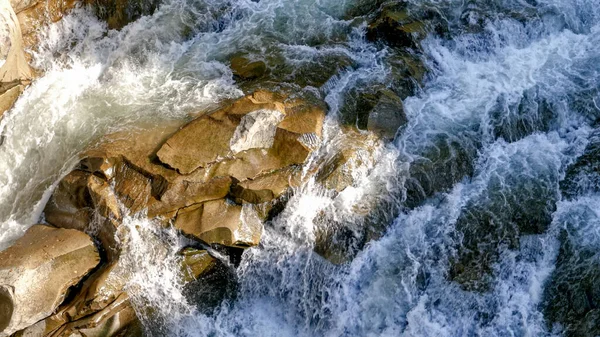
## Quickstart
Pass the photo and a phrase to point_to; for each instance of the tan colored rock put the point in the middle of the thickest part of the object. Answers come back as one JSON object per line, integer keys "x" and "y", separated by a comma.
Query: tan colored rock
{"x": 228, "y": 134}
{"x": 267, "y": 187}
{"x": 114, "y": 320}
{"x": 69, "y": 205}
{"x": 8, "y": 98}
{"x": 15, "y": 67}
{"x": 220, "y": 222}
{"x": 302, "y": 117}
{"x": 183, "y": 192}
{"x": 287, "y": 150}
{"x": 37, "y": 14}
{"x": 357, "y": 152}
{"x": 53, "y": 260}
{"x": 132, "y": 187}
{"x": 87, "y": 203}
{"x": 103, "y": 197}
{"x": 198, "y": 144}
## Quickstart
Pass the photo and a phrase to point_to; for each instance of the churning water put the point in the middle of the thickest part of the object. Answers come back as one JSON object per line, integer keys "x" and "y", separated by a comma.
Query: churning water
{"x": 488, "y": 198}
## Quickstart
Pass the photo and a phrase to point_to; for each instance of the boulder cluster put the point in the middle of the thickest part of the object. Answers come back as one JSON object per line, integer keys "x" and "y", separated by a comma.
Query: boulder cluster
{"x": 215, "y": 179}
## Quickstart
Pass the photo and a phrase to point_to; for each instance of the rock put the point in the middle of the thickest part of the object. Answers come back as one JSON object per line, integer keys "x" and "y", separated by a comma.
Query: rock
{"x": 103, "y": 197}
{"x": 35, "y": 14}
{"x": 117, "y": 319}
{"x": 69, "y": 205}
{"x": 53, "y": 259}
{"x": 247, "y": 138}
{"x": 583, "y": 176}
{"x": 131, "y": 187}
{"x": 253, "y": 164}
{"x": 86, "y": 202}
{"x": 375, "y": 109}
{"x": 195, "y": 263}
{"x": 288, "y": 149}
{"x": 267, "y": 187}
{"x": 183, "y": 192}
{"x": 387, "y": 115}
{"x": 401, "y": 29}
{"x": 199, "y": 143}
{"x": 15, "y": 73}
{"x": 246, "y": 69}
{"x": 256, "y": 130}
{"x": 9, "y": 97}
{"x": 119, "y": 13}
{"x": 221, "y": 222}
{"x": 15, "y": 67}
{"x": 356, "y": 154}
{"x": 304, "y": 118}
{"x": 210, "y": 137}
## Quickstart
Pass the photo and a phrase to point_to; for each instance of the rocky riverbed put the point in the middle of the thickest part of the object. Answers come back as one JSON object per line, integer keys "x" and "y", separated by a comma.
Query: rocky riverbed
{"x": 298, "y": 168}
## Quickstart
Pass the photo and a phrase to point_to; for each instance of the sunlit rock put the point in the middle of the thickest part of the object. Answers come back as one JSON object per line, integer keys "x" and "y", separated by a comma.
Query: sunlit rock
{"x": 267, "y": 187}
{"x": 256, "y": 131}
{"x": 9, "y": 97}
{"x": 217, "y": 178}
{"x": 116, "y": 319}
{"x": 221, "y": 222}
{"x": 53, "y": 259}
{"x": 356, "y": 153}
{"x": 247, "y": 124}
{"x": 69, "y": 205}
{"x": 186, "y": 191}
{"x": 15, "y": 67}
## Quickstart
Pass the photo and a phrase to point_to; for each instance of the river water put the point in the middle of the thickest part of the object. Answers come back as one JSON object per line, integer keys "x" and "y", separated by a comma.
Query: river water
{"x": 486, "y": 203}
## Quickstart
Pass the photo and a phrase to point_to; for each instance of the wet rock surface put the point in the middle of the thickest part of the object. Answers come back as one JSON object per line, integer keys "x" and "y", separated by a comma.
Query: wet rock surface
{"x": 37, "y": 271}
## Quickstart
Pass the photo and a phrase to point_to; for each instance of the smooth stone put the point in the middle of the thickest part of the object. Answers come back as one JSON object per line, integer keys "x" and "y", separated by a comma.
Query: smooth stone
{"x": 53, "y": 259}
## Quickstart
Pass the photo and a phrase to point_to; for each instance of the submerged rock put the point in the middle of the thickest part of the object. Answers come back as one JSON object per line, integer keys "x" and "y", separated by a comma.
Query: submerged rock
{"x": 53, "y": 260}
{"x": 572, "y": 293}
{"x": 583, "y": 176}
{"x": 399, "y": 28}
{"x": 119, "y": 13}
{"x": 375, "y": 109}
{"x": 196, "y": 263}
{"x": 246, "y": 69}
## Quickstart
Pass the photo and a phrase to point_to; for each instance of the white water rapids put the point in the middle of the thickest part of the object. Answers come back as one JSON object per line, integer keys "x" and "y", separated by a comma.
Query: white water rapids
{"x": 511, "y": 101}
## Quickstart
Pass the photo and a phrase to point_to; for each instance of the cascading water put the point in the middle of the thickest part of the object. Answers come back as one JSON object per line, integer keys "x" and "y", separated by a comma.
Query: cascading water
{"x": 491, "y": 186}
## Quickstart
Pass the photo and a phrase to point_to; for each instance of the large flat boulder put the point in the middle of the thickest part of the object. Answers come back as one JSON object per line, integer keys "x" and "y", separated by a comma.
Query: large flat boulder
{"x": 37, "y": 272}
{"x": 221, "y": 222}
{"x": 257, "y": 133}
